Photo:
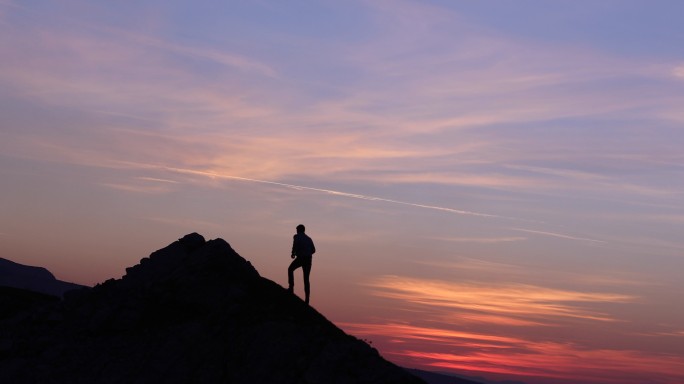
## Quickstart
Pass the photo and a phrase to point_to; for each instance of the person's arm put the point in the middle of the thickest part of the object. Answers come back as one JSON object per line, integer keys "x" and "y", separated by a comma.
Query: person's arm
{"x": 294, "y": 243}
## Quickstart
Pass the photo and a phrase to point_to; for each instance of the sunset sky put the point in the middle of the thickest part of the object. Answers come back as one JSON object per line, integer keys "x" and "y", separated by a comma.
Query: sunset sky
{"x": 495, "y": 188}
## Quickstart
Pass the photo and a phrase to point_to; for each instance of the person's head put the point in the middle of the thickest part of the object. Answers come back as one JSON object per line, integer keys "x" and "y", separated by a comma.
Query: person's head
{"x": 300, "y": 228}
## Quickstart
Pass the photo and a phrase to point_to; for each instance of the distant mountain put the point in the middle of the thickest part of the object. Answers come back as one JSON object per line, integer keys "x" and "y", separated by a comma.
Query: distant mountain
{"x": 439, "y": 378}
{"x": 193, "y": 312}
{"x": 35, "y": 279}
{"x": 444, "y": 378}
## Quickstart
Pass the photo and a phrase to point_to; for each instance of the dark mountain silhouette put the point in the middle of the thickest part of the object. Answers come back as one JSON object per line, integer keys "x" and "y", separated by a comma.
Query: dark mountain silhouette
{"x": 446, "y": 378}
{"x": 193, "y": 312}
{"x": 439, "y": 378}
{"x": 35, "y": 279}
{"x": 15, "y": 300}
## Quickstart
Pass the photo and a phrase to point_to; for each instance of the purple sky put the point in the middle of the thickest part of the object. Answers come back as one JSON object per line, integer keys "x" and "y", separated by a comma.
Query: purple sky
{"x": 494, "y": 187}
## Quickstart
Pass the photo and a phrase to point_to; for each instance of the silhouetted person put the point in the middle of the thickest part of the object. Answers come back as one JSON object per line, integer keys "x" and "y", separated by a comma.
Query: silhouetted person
{"x": 302, "y": 251}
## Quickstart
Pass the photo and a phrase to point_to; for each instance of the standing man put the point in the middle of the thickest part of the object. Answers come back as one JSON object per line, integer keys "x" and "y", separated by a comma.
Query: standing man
{"x": 302, "y": 251}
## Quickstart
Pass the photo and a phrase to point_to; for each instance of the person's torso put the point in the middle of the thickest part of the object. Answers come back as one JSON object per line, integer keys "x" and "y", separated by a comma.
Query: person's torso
{"x": 303, "y": 245}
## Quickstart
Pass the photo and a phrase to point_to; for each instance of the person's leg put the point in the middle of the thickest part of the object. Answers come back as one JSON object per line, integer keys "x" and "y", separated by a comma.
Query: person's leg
{"x": 296, "y": 263}
{"x": 306, "y": 268}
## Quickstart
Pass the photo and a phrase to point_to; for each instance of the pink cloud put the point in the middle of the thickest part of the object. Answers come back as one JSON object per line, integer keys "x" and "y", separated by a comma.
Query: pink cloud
{"x": 535, "y": 302}
{"x": 489, "y": 354}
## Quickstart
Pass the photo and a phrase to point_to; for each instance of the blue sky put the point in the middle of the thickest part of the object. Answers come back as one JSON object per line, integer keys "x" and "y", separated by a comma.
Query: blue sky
{"x": 495, "y": 187}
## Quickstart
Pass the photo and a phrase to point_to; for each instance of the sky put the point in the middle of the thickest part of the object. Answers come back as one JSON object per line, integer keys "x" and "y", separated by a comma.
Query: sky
{"x": 495, "y": 188}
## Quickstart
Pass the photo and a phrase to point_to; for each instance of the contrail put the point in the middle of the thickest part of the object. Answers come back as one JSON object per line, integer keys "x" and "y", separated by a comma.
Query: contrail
{"x": 370, "y": 198}
{"x": 559, "y": 235}
{"x": 340, "y": 193}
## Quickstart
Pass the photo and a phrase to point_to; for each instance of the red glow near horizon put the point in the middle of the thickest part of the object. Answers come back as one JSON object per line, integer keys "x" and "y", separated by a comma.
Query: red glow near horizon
{"x": 498, "y": 330}
{"x": 534, "y": 362}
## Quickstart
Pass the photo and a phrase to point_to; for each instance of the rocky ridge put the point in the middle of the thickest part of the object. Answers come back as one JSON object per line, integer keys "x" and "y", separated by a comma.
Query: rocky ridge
{"x": 195, "y": 311}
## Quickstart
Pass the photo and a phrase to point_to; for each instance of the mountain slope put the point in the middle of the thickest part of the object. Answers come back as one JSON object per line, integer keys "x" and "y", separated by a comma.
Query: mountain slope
{"x": 35, "y": 279}
{"x": 194, "y": 311}
{"x": 16, "y": 300}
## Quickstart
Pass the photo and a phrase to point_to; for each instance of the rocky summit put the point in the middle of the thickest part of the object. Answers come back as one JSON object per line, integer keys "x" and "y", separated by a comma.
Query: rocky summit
{"x": 193, "y": 312}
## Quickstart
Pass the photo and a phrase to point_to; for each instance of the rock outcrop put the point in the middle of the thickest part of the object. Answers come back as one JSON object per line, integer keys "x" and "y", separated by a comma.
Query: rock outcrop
{"x": 193, "y": 312}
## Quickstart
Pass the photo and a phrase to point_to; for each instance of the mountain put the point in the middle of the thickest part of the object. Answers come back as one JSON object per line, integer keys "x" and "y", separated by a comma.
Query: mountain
{"x": 444, "y": 378}
{"x": 192, "y": 312}
{"x": 15, "y": 300}
{"x": 35, "y": 279}
{"x": 439, "y": 378}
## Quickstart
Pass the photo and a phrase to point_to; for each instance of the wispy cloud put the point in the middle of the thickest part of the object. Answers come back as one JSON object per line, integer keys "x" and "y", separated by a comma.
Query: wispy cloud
{"x": 474, "y": 265}
{"x": 562, "y": 361}
{"x": 558, "y": 235}
{"x": 412, "y": 128}
{"x": 481, "y": 240}
{"x": 477, "y": 352}
{"x": 534, "y": 302}
{"x": 679, "y": 71}
{"x": 442, "y": 336}
{"x": 135, "y": 188}
{"x": 237, "y": 61}
{"x": 9, "y": 4}
{"x": 154, "y": 179}
{"x": 462, "y": 325}
{"x": 93, "y": 157}
{"x": 461, "y": 267}
{"x": 147, "y": 185}
{"x": 188, "y": 223}
{"x": 340, "y": 193}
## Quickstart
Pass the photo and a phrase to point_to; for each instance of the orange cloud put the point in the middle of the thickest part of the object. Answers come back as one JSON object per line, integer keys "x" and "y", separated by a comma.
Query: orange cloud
{"x": 410, "y": 332}
{"x": 502, "y": 299}
{"x": 473, "y": 327}
{"x": 483, "y": 353}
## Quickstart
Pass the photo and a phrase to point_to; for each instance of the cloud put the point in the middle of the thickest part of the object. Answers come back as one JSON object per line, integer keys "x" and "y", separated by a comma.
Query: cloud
{"x": 128, "y": 73}
{"x": 465, "y": 267}
{"x": 404, "y": 126}
{"x": 154, "y": 179}
{"x": 434, "y": 347}
{"x": 146, "y": 185}
{"x": 441, "y": 336}
{"x": 679, "y": 71}
{"x": 338, "y": 193}
{"x": 474, "y": 265}
{"x": 230, "y": 59}
{"x": 187, "y": 223}
{"x": 563, "y": 361}
{"x": 520, "y": 300}
{"x": 439, "y": 102}
{"x": 8, "y": 4}
{"x": 557, "y": 235}
{"x": 480, "y": 77}
{"x": 506, "y": 328}
{"x": 172, "y": 149}
{"x": 135, "y": 188}
{"x": 481, "y": 240}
